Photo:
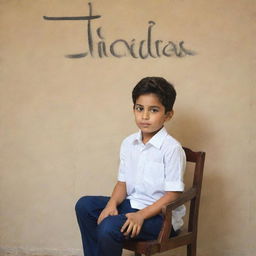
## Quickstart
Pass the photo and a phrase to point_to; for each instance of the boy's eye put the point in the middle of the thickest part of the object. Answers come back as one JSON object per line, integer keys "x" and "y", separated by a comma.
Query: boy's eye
{"x": 153, "y": 110}
{"x": 138, "y": 108}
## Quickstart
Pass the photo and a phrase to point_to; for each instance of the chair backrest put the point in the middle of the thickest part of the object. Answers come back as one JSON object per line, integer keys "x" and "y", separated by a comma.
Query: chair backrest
{"x": 197, "y": 158}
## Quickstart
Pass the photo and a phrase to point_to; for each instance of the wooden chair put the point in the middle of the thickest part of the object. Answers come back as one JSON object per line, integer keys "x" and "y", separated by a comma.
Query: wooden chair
{"x": 189, "y": 237}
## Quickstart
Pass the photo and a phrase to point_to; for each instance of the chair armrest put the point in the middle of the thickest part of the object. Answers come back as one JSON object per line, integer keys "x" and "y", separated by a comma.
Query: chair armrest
{"x": 167, "y": 213}
{"x": 185, "y": 197}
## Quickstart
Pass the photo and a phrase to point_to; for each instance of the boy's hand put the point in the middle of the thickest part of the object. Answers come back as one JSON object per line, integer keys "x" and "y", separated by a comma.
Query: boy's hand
{"x": 108, "y": 211}
{"x": 133, "y": 224}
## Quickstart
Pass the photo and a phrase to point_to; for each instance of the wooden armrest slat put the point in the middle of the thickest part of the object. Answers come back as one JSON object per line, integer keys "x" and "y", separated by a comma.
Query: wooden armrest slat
{"x": 185, "y": 197}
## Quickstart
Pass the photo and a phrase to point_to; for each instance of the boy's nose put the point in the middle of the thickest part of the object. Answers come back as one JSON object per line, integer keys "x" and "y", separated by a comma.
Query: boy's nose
{"x": 145, "y": 115}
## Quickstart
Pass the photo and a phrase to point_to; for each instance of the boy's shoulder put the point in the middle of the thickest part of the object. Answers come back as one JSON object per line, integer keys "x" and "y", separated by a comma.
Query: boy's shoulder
{"x": 171, "y": 141}
{"x": 171, "y": 146}
{"x": 131, "y": 138}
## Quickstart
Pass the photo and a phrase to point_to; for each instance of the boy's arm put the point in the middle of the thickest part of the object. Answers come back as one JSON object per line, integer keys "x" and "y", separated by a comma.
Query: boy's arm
{"x": 118, "y": 194}
{"x": 156, "y": 207}
{"x": 135, "y": 220}
{"x": 117, "y": 197}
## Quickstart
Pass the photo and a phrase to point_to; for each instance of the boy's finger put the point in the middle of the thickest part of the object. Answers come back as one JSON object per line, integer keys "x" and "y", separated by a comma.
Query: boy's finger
{"x": 100, "y": 219}
{"x": 124, "y": 226}
{"x": 134, "y": 231}
{"x": 138, "y": 230}
{"x": 128, "y": 230}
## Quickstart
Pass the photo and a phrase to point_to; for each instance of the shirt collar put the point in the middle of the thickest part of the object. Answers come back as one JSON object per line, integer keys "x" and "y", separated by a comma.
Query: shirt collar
{"x": 156, "y": 141}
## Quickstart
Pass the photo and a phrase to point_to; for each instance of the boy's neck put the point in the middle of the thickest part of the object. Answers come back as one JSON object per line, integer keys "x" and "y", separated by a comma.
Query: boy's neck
{"x": 145, "y": 137}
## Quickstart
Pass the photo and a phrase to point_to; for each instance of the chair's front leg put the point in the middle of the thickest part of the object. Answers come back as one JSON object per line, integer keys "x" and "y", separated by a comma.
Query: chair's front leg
{"x": 191, "y": 249}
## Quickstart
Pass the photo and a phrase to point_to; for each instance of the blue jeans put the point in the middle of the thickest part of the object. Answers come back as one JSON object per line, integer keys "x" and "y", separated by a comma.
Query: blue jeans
{"x": 106, "y": 238}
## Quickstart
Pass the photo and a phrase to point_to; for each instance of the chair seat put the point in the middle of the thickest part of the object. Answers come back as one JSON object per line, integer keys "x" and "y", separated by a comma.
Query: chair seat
{"x": 142, "y": 247}
{"x": 153, "y": 246}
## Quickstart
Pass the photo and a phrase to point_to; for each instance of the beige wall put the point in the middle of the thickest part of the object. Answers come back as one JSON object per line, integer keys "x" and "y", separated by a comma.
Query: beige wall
{"x": 62, "y": 120}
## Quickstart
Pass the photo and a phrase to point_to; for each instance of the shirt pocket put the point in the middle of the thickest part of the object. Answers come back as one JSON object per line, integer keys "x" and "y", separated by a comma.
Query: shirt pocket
{"x": 154, "y": 177}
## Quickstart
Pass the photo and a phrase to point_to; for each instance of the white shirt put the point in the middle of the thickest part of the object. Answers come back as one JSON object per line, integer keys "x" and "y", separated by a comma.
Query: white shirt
{"x": 151, "y": 169}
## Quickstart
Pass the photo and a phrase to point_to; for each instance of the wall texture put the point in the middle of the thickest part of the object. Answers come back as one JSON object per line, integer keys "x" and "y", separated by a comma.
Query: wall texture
{"x": 62, "y": 119}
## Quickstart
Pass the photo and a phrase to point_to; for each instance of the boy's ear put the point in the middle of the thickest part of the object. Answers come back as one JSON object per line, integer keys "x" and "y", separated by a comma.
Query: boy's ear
{"x": 169, "y": 115}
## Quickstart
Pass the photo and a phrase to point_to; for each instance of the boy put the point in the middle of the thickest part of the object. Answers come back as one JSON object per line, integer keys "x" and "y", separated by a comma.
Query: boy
{"x": 151, "y": 172}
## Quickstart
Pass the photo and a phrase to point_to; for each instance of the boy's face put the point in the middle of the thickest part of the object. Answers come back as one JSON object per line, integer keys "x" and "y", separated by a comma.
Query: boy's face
{"x": 150, "y": 115}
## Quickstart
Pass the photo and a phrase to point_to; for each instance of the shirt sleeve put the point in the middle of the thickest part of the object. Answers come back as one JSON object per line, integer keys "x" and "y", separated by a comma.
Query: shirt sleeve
{"x": 175, "y": 163}
{"x": 121, "y": 172}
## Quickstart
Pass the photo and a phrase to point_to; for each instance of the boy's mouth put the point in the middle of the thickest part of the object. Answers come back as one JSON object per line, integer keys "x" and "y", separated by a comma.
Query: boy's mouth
{"x": 144, "y": 124}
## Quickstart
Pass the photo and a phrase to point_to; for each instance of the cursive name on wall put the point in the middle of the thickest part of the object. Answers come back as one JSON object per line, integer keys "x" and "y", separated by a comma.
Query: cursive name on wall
{"x": 143, "y": 49}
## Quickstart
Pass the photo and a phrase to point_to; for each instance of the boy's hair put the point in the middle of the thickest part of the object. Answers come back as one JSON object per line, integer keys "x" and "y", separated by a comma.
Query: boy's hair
{"x": 160, "y": 87}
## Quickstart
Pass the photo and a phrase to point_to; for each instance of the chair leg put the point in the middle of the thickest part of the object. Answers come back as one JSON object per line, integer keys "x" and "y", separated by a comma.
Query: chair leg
{"x": 191, "y": 249}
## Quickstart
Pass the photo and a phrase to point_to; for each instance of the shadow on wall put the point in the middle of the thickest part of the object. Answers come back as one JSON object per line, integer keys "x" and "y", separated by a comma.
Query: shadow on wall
{"x": 190, "y": 129}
